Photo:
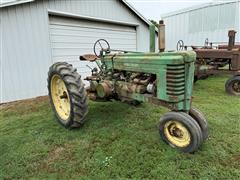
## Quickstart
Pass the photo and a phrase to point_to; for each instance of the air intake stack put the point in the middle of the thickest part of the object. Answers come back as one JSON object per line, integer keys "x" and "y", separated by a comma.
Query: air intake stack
{"x": 161, "y": 36}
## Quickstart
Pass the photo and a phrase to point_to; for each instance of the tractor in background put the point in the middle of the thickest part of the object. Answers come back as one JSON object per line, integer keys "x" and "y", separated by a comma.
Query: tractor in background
{"x": 216, "y": 58}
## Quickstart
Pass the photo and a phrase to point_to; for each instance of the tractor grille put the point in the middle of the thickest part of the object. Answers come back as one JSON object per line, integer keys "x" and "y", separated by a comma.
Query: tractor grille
{"x": 175, "y": 80}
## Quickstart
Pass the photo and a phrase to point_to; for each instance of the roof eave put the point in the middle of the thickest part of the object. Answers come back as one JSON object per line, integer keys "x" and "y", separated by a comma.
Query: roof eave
{"x": 192, "y": 8}
{"x": 15, "y": 3}
{"x": 124, "y": 1}
{"x": 138, "y": 14}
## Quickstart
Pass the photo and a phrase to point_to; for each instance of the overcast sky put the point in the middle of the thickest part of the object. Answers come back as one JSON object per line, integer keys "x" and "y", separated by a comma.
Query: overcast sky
{"x": 153, "y": 9}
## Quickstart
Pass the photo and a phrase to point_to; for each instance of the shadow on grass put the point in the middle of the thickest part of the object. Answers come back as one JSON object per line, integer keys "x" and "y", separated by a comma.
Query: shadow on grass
{"x": 103, "y": 114}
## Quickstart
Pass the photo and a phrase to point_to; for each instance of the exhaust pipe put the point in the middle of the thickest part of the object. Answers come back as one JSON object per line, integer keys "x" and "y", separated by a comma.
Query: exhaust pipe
{"x": 161, "y": 36}
{"x": 231, "y": 41}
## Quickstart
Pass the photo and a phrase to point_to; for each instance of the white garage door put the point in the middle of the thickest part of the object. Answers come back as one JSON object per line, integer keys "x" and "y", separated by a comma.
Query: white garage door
{"x": 71, "y": 38}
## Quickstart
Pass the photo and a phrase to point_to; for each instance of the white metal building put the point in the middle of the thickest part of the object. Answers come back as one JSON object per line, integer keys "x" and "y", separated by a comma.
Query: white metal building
{"x": 37, "y": 33}
{"x": 193, "y": 25}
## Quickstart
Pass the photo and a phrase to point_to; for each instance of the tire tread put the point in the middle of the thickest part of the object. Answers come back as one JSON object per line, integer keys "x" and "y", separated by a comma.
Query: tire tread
{"x": 76, "y": 90}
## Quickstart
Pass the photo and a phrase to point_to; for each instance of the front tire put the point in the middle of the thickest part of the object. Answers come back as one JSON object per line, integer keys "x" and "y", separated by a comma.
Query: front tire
{"x": 180, "y": 131}
{"x": 201, "y": 120}
{"x": 67, "y": 95}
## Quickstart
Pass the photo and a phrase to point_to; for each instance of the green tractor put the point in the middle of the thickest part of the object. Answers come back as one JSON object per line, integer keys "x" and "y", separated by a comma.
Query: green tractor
{"x": 163, "y": 78}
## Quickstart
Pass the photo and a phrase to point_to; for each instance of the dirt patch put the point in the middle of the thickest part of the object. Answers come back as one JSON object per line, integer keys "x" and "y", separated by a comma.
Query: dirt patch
{"x": 236, "y": 158}
{"x": 232, "y": 161}
{"x": 24, "y": 105}
{"x": 57, "y": 153}
{"x": 54, "y": 155}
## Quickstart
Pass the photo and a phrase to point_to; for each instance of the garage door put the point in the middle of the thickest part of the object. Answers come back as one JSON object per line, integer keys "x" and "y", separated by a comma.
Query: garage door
{"x": 71, "y": 38}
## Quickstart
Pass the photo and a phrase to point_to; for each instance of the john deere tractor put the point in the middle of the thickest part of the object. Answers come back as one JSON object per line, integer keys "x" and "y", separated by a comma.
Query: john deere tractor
{"x": 162, "y": 78}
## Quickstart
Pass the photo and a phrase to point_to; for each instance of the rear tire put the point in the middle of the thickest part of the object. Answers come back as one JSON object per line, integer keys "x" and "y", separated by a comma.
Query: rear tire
{"x": 67, "y": 95}
{"x": 232, "y": 86}
{"x": 180, "y": 131}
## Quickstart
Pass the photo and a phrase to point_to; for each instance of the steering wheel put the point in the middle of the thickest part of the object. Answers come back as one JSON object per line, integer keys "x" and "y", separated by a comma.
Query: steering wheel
{"x": 180, "y": 45}
{"x": 101, "y": 46}
{"x": 206, "y": 42}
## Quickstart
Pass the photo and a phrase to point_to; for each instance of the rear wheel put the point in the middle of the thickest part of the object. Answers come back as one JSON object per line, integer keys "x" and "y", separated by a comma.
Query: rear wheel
{"x": 232, "y": 86}
{"x": 180, "y": 131}
{"x": 67, "y": 95}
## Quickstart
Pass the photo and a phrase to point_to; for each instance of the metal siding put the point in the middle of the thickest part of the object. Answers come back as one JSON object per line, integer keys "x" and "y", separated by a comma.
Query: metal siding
{"x": 193, "y": 27}
{"x": 238, "y": 20}
{"x": 25, "y": 53}
{"x": 1, "y": 62}
{"x": 26, "y": 45}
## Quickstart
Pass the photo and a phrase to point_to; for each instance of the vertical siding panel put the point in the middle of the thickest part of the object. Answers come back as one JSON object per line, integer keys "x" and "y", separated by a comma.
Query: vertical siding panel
{"x": 24, "y": 33}
{"x": 238, "y": 21}
{"x": 4, "y": 63}
{"x": 38, "y": 38}
{"x": 46, "y": 43}
{"x": 51, "y": 3}
{"x": 78, "y": 6}
{"x": 1, "y": 57}
{"x": 68, "y": 6}
{"x": 42, "y": 18}
{"x": 30, "y": 43}
{"x": 60, "y": 5}
{"x": 14, "y": 54}
{"x": 36, "y": 43}
{"x": 6, "y": 79}
{"x": 73, "y": 6}
{"x": 55, "y": 2}
{"x": 17, "y": 47}
{"x": 8, "y": 57}
{"x": 180, "y": 23}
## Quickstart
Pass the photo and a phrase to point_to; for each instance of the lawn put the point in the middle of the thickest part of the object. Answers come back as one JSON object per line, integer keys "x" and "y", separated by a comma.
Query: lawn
{"x": 119, "y": 141}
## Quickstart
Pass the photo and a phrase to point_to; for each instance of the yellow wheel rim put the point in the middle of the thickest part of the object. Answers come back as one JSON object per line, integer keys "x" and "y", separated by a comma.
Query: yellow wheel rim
{"x": 60, "y": 97}
{"x": 177, "y": 133}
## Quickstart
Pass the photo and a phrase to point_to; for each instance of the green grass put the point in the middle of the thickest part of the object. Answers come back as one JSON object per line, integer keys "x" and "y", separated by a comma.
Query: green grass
{"x": 119, "y": 141}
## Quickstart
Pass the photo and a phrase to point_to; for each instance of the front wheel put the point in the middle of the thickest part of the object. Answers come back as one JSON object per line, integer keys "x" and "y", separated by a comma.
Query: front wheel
{"x": 180, "y": 131}
{"x": 67, "y": 95}
{"x": 232, "y": 86}
{"x": 201, "y": 120}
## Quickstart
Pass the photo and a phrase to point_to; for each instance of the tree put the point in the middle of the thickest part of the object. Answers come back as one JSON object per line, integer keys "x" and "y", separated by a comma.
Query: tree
{"x": 154, "y": 22}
